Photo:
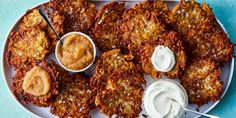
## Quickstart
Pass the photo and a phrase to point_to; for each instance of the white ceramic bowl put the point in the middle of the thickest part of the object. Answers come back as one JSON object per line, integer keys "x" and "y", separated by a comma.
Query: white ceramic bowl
{"x": 182, "y": 90}
{"x": 59, "y": 43}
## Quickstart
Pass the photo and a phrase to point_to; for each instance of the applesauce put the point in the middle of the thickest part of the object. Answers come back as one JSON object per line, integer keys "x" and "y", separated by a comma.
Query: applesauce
{"x": 76, "y": 52}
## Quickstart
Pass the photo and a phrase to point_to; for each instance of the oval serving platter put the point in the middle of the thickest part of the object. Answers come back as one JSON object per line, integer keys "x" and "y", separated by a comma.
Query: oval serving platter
{"x": 226, "y": 75}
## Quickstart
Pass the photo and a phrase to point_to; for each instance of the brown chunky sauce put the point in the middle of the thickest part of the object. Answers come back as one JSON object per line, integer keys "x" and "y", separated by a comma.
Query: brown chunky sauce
{"x": 76, "y": 52}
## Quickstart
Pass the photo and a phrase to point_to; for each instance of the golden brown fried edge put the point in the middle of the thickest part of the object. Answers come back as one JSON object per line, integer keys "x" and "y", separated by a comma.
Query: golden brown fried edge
{"x": 197, "y": 24}
{"x": 107, "y": 63}
{"x": 75, "y": 97}
{"x": 23, "y": 49}
{"x": 214, "y": 45}
{"x": 34, "y": 39}
{"x": 34, "y": 19}
{"x": 202, "y": 81}
{"x": 158, "y": 7}
{"x": 79, "y": 14}
{"x": 140, "y": 24}
{"x": 122, "y": 96}
{"x": 191, "y": 18}
{"x": 104, "y": 32}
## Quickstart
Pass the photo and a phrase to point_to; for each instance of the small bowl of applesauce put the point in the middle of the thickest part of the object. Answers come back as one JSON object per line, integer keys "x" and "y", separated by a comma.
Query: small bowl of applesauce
{"x": 76, "y": 53}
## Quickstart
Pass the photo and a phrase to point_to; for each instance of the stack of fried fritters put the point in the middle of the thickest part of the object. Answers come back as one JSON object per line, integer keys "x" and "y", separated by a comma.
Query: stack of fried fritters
{"x": 117, "y": 84}
{"x": 29, "y": 46}
{"x": 34, "y": 39}
{"x": 207, "y": 48}
{"x": 198, "y": 27}
{"x": 127, "y": 39}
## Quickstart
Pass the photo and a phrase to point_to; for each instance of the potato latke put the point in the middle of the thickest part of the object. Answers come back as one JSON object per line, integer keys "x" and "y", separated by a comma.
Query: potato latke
{"x": 172, "y": 41}
{"x": 122, "y": 96}
{"x": 75, "y": 97}
{"x": 140, "y": 24}
{"x": 79, "y": 14}
{"x": 203, "y": 39}
{"x": 105, "y": 28}
{"x": 202, "y": 81}
{"x": 109, "y": 62}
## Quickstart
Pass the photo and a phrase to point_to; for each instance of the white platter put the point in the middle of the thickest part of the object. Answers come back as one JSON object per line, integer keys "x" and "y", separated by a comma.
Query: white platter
{"x": 226, "y": 75}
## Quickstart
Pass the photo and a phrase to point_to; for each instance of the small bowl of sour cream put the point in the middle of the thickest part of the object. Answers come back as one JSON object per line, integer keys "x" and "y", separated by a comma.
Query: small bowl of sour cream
{"x": 157, "y": 99}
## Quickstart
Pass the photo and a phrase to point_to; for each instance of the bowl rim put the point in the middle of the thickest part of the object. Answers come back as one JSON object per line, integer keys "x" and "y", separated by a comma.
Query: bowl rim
{"x": 165, "y": 79}
{"x": 59, "y": 43}
{"x": 4, "y": 49}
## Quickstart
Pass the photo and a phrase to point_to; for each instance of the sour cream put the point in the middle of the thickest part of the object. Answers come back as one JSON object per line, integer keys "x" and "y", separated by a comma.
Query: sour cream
{"x": 163, "y": 59}
{"x": 158, "y": 97}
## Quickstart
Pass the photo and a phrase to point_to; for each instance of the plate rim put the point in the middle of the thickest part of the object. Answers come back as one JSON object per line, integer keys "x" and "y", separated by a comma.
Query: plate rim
{"x": 3, "y": 58}
{"x": 44, "y": 2}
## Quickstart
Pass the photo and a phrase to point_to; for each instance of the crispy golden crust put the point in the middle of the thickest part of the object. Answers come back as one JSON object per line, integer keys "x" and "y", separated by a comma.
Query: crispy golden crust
{"x": 202, "y": 81}
{"x": 139, "y": 24}
{"x": 75, "y": 98}
{"x": 170, "y": 40}
{"x": 22, "y": 49}
{"x": 125, "y": 80}
{"x": 158, "y": 7}
{"x": 123, "y": 95}
{"x": 191, "y": 18}
{"x": 197, "y": 24}
{"x": 105, "y": 30}
{"x": 43, "y": 100}
{"x": 34, "y": 40}
{"x": 34, "y": 19}
{"x": 214, "y": 45}
{"x": 79, "y": 14}
{"x": 117, "y": 80}
{"x": 109, "y": 62}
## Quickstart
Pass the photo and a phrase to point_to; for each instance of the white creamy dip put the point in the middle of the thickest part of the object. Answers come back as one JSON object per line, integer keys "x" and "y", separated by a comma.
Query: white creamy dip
{"x": 157, "y": 99}
{"x": 163, "y": 59}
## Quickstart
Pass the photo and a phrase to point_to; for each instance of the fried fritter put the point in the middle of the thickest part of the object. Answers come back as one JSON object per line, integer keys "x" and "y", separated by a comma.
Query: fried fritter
{"x": 125, "y": 80}
{"x": 158, "y": 7}
{"x": 214, "y": 45}
{"x": 140, "y": 24}
{"x": 170, "y": 40}
{"x": 43, "y": 100}
{"x": 34, "y": 19}
{"x": 79, "y": 14}
{"x": 22, "y": 49}
{"x": 75, "y": 98}
{"x": 105, "y": 29}
{"x": 109, "y": 62}
{"x": 191, "y": 18}
{"x": 203, "y": 39}
{"x": 122, "y": 96}
{"x": 117, "y": 84}
{"x": 34, "y": 40}
{"x": 202, "y": 81}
